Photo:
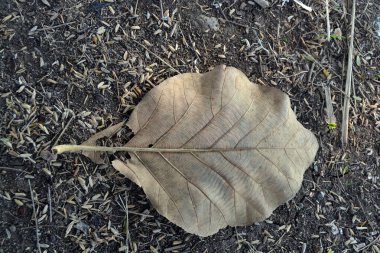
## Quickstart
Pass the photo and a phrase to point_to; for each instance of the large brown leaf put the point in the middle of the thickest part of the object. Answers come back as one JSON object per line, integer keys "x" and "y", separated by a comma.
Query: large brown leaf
{"x": 214, "y": 149}
{"x": 231, "y": 151}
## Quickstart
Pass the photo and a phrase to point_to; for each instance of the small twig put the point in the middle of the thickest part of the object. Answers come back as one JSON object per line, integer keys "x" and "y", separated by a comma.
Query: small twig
{"x": 304, "y": 246}
{"x": 162, "y": 10}
{"x": 50, "y": 209}
{"x": 365, "y": 214}
{"x": 63, "y": 131}
{"x": 13, "y": 169}
{"x": 135, "y": 10}
{"x": 56, "y": 26}
{"x": 317, "y": 62}
{"x": 370, "y": 244}
{"x": 346, "y": 107}
{"x": 331, "y": 120}
{"x": 35, "y": 217}
{"x": 262, "y": 47}
{"x": 158, "y": 57}
{"x": 303, "y": 6}
{"x": 127, "y": 239}
{"x": 328, "y": 20}
{"x": 311, "y": 71}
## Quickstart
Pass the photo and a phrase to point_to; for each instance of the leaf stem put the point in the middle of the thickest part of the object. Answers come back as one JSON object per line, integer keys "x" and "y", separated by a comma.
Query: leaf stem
{"x": 83, "y": 148}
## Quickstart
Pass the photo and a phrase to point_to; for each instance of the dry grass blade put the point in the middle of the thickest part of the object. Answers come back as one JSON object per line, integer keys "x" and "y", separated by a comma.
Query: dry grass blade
{"x": 35, "y": 218}
{"x": 346, "y": 107}
{"x": 158, "y": 57}
{"x": 13, "y": 169}
{"x": 328, "y": 20}
{"x": 331, "y": 120}
{"x": 309, "y": 9}
{"x": 376, "y": 240}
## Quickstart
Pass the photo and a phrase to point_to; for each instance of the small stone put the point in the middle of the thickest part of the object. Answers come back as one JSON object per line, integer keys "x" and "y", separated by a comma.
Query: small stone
{"x": 334, "y": 229}
{"x": 208, "y": 23}
{"x": 101, "y": 30}
{"x": 12, "y": 228}
{"x": 83, "y": 227}
{"x": 321, "y": 196}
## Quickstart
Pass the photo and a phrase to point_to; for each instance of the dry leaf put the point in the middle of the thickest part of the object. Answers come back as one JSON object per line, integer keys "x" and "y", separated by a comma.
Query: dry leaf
{"x": 215, "y": 149}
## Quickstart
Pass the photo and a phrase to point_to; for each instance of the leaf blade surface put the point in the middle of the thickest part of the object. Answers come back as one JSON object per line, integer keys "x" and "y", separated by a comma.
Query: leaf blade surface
{"x": 224, "y": 151}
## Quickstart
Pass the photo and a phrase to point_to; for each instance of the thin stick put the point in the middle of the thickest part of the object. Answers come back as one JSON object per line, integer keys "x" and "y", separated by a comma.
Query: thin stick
{"x": 346, "y": 107}
{"x": 370, "y": 244}
{"x": 53, "y": 27}
{"x": 13, "y": 169}
{"x": 162, "y": 10}
{"x": 304, "y": 246}
{"x": 35, "y": 217}
{"x": 135, "y": 11}
{"x": 331, "y": 120}
{"x": 328, "y": 20}
{"x": 158, "y": 57}
{"x": 63, "y": 131}
{"x": 50, "y": 209}
{"x": 309, "y": 9}
{"x": 127, "y": 240}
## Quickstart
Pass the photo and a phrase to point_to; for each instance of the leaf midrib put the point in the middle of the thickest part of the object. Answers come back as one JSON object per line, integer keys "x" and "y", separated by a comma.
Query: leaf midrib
{"x": 85, "y": 148}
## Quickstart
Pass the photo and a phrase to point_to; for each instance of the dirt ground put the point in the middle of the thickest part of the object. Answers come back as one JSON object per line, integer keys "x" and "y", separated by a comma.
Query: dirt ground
{"x": 70, "y": 68}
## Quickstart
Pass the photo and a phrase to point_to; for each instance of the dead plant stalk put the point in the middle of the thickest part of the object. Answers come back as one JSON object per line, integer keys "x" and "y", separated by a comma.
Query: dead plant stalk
{"x": 346, "y": 107}
{"x": 328, "y": 20}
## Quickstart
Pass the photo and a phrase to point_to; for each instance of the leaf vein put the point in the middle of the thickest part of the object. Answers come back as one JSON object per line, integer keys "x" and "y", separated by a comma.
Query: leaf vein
{"x": 210, "y": 121}
{"x": 278, "y": 169}
{"x": 193, "y": 204}
{"x": 230, "y": 129}
{"x": 159, "y": 183}
{"x": 184, "y": 176}
{"x": 153, "y": 113}
{"x": 249, "y": 176}
{"x": 179, "y": 120}
{"x": 277, "y": 127}
{"x": 253, "y": 129}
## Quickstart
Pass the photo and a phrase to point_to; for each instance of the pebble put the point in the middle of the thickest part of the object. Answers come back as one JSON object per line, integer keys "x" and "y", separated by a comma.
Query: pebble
{"x": 334, "y": 229}
{"x": 12, "y": 228}
{"x": 208, "y": 23}
{"x": 321, "y": 196}
{"x": 82, "y": 227}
